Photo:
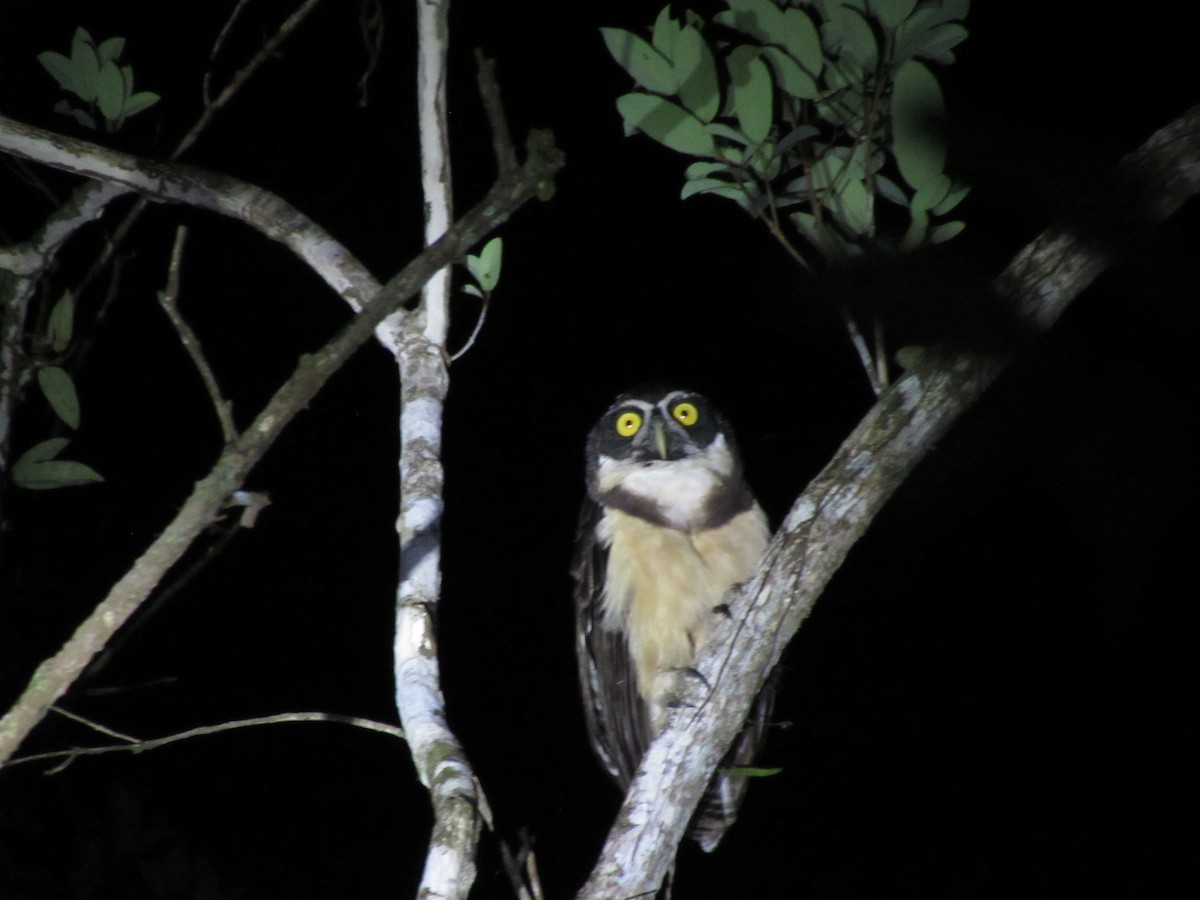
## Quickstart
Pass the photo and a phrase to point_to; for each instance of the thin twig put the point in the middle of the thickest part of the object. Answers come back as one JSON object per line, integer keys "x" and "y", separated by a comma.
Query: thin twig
{"x": 95, "y": 726}
{"x": 167, "y": 299}
{"x": 69, "y": 756}
{"x": 489, "y": 93}
{"x": 475, "y": 331}
{"x": 242, "y": 75}
{"x": 222, "y": 36}
{"x": 370, "y": 26}
{"x": 211, "y": 108}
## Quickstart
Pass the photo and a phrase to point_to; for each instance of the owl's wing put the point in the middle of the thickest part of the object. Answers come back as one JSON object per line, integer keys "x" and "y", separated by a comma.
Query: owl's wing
{"x": 616, "y": 716}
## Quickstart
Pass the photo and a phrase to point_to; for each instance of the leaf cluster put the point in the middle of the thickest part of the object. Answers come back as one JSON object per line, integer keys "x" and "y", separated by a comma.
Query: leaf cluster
{"x": 92, "y": 73}
{"x": 813, "y": 109}
{"x": 38, "y": 467}
{"x": 484, "y": 269}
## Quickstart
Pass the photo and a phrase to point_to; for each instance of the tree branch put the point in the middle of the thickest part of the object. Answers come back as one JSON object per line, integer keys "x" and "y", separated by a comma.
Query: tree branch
{"x": 438, "y": 755}
{"x": 260, "y": 209}
{"x": 134, "y": 745}
{"x": 168, "y": 300}
{"x": 840, "y": 503}
{"x": 27, "y": 262}
{"x": 56, "y": 674}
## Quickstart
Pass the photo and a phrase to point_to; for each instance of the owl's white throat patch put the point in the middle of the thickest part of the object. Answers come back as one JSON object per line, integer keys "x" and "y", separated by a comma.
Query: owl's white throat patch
{"x": 679, "y": 489}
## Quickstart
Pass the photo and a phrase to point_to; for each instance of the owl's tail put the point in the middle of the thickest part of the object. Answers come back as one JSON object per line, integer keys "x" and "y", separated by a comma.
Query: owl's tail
{"x": 719, "y": 806}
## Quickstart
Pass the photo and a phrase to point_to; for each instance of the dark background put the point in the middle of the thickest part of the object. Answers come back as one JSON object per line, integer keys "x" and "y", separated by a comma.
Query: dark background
{"x": 994, "y": 698}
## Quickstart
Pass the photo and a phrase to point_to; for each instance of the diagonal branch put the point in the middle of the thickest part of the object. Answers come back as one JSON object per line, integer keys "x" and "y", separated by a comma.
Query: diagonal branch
{"x": 840, "y": 503}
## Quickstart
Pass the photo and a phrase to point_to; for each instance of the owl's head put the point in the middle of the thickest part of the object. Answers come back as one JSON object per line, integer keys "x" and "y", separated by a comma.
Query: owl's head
{"x": 664, "y": 453}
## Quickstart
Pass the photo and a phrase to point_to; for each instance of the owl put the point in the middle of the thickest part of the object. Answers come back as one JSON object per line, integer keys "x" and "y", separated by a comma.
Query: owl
{"x": 667, "y": 527}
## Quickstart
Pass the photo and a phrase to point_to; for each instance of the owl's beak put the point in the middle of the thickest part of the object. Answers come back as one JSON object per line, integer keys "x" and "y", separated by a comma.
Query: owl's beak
{"x": 660, "y": 438}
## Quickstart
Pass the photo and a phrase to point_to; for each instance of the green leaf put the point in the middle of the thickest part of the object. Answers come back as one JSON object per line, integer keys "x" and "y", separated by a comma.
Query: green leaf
{"x": 111, "y": 86}
{"x": 731, "y": 192}
{"x": 931, "y": 193}
{"x": 703, "y": 169}
{"x": 40, "y": 452}
{"x": 889, "y": 190}
{"x": 140, "y": 101}
{"x": 720, "y": 129}
{"x": 59, "y": 67}
{"x": 752, "y": 92}
{"x": 794, "y": 137}
{"x": 81, "y": 116}
{"x": 667, "y": 123}
{"x": 857, "y": 40}
{"x": 37, "y": 467}
{"x": 761, "y": 19}
{"x": 891, "y": 13}
{"x": 665, "y": 33}
{"x": 790, "y": 75}
{"x": 61, "y": 321}
{"x": 852, "y": 204}
{"x": 937, "y": 43}
{"x": 485, "y": 268}
{"x": 57, "y": 473}
{"x": 939, "y": 234}
{"x": 751, "y": 771}
{"x": 802, "y": 41}
{"x": 918, "y": 113}
{"x": 696, "y": 75}
{"x": 472, "y": 290}
{"x": 922, "y": 35}
{"x": 60, "y": 393}
{"x": 955, "y": 197}
{"x": 85, "y": 66}
{"x": 110, "y": 50}
{"x": 648, "y": 67}
{"x": 703, "y": 186}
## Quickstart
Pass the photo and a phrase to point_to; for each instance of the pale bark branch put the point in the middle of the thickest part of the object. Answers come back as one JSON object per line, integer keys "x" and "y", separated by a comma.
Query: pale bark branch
{"x": 438, "y": 755}
{"x": 211, "y": 493}
{"x": 840, "y": 503}
{"x": 260, "y": 209}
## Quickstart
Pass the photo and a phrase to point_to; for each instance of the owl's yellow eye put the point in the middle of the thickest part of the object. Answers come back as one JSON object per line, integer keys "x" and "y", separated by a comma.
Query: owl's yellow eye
{"x": 628, "y": 424}
{"x": 686, "y": 414}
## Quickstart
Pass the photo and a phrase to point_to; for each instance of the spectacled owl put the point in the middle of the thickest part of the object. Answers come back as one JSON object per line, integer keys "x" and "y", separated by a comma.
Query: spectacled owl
{"x": 667, "y": 527}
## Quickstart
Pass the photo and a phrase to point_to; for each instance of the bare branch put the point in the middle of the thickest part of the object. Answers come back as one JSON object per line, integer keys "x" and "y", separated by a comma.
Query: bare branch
{"x": 265, "y": 52}
{"x": 134, "y": 745}
{"x": 260, "y": 209}
{"x": 167, "y": 299}
{"x": 489, "y": 92}
{"x": 440, "y": 760}
{"x": 840, "y": 503}
{"x": 211, "y": 493}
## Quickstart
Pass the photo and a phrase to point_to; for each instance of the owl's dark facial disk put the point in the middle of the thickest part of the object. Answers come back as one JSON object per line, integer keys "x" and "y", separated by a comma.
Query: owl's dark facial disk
{"x": 665, "y": 457}
{"x": 646, "y": 428}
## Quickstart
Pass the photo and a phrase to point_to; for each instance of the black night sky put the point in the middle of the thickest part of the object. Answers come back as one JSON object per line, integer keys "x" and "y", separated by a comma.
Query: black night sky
{"x": 995, "y": 697}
